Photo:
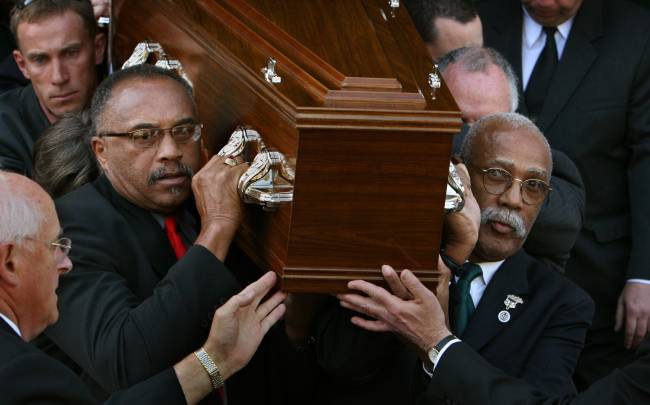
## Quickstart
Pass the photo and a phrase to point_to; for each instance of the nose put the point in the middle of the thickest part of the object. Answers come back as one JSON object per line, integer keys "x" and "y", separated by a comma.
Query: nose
{"x": 65, "y": 265}
{"x": 168, "y": 149}
{"x": 512, "y": 197}
{"x": 60, "y": 74}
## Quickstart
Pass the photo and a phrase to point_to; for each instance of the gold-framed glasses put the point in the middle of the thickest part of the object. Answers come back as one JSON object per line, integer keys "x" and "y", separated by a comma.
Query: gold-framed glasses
{"x": 496, "y": 181}
{"x": 150, "y": 137}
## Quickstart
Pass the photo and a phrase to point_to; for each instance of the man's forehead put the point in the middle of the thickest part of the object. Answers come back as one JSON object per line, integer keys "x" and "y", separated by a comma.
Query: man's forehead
{"x": 145, "y": 99}
{"x": 52, "y": 31}
{"x": 515, "y": 148}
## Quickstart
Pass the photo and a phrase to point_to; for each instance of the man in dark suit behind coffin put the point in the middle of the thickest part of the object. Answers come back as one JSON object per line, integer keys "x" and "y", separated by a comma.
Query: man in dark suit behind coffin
{"x": 585, "y": 73}
{"x": 521, "y": 315}
{"x": 148, "y": 272}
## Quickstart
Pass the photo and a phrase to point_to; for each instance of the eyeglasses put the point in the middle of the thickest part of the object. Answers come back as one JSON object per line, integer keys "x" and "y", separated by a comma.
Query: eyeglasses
{"x": 62, "y": 246}
{"x": 496, "y": 181}
{"x": 150, "y": 137}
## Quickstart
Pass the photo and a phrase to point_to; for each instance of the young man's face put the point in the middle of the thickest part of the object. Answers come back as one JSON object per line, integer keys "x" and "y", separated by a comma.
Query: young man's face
{"x": 58, "y": 55}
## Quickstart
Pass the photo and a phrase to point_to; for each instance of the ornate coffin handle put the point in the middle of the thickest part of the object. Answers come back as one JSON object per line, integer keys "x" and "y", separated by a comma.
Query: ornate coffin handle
{"x": 269, "y": 180}
{"x": 455, "y": 195}
{"x": 146, "y": 49}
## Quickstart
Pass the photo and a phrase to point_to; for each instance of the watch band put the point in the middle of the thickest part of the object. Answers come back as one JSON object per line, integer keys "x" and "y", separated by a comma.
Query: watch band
{"x": 211, "y": 368}
{"x": 435, "y": 350}
{"x": 449, "y": 262}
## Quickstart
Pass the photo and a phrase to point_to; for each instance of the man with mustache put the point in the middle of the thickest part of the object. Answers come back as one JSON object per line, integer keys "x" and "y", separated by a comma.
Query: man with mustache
{"x": 518, "y": 313}
{"x": 148, "y": 257}
{"x": 59, "y": 48}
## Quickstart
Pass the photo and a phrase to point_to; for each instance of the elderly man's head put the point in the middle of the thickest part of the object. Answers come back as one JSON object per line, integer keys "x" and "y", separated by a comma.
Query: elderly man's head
{"x": 445, "y": 25}
{"x": 32, "y": 255}
{"x": 509, "y": 162}
{"x": 58, "y": 48}
{"x": 481, "y": 81}
{"x": 146, "y": 136}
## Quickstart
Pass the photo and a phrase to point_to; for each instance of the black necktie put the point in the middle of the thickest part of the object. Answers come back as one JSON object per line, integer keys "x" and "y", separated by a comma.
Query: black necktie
{"x": 540, "y": 79}
{"x": 461, "y": 299}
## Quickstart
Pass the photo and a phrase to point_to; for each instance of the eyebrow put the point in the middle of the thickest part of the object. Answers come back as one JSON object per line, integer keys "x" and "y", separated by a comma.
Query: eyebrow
{"x": 66, "y": 47}
{"x": 182, "y": 121}
{"x": 510, "y": 165}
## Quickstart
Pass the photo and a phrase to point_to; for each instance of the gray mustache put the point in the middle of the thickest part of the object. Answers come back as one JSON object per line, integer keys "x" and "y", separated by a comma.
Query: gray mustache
{"x": 165, "y": 171}
{"x": 505, "y": 216}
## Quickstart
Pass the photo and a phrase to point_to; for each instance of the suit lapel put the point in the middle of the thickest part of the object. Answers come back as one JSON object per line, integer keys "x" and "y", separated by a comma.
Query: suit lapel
{"x": 578, "y": 56}
{"x": 149, "y": 233}
{"x": 510, "y": 279}
{"x": 7, "y": 328}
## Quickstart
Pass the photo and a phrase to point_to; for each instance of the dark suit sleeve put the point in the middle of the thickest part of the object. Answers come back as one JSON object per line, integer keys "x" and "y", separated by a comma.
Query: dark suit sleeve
{"x": 560, "y": 219}
{"x": 464, "y": 377}
{"x": 116, "y": 336}
{"x": 638, "y": 140}
{"x": 461, "y": 367}
{"x": 552, "y": 361}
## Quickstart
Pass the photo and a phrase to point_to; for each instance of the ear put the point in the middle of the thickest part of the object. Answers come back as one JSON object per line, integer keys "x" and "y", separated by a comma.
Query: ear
{"x": 20, "y": 61}
{"x": 8, "y": 273}
{"x": 100, "y": 48}
{"x": 100, "y": 149}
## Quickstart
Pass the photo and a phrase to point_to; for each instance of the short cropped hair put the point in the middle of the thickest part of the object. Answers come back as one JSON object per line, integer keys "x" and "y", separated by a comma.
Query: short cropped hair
{"x": 41, "y": 9}
{"x": 63, "y": 159}
{"x": 21, "y": 217}
{"x": 479, "y": 59}
{"x": 145, "y": 71}
{"x": 502, "y": 122}
{"x": 424, "y": 12}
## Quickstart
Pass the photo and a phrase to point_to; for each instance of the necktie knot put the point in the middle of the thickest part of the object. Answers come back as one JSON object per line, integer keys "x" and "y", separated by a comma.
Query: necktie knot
{"x": 468, "y": 272}
{"x": 550, "y": 32}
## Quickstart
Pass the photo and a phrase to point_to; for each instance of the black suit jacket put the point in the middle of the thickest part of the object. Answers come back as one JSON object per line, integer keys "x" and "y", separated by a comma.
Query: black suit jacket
{"x": 21, "y": 122}
{"x": 128, "y": 309}
{"x": 597, "y": 111}
{"x": 27, "y": 376}
{"x": 466, "y": 378}
{"x": 540, "y": 343}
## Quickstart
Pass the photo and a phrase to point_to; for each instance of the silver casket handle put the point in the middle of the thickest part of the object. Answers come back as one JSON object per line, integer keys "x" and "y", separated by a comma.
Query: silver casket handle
{"x": 269, "y": 179}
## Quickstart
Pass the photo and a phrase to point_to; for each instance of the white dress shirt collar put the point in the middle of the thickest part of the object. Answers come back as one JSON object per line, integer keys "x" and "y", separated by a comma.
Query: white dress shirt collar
{"x": 489, "y": 269}
{"x": 11, "y": 324}
{"x": 534, "y": 35}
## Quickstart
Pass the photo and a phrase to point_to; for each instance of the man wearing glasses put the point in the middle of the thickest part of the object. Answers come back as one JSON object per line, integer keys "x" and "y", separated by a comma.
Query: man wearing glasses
{"x": 522, "y": 316}
{"x": 58, "y": 50}
{"x": 149, "y": 268}
{"x": 33, "y": 256}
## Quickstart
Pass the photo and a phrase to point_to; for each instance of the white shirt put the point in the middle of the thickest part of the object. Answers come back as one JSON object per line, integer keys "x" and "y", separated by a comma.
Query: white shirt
{"x": 533, "y": 41}
{"x": 479, "y": 284}
{"x": 10, "y": 323}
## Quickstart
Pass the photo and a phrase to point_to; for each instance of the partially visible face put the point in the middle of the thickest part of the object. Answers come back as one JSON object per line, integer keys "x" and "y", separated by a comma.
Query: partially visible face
{"x": 478, "y": 93}
{"x": 59, "y": 57}
{"x": 151, "y": 178}
{"x": 39, "y": 273}
{"x": 452, "y": 34}
{"x": 525, "y": 156}
{"x": 551, "y": 13}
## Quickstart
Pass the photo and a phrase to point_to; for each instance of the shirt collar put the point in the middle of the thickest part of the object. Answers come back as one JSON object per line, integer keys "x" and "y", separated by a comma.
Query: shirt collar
{"x": 11, "y": 324}
{"x": 533, "y": 30}
{"x": 489, "y": 269}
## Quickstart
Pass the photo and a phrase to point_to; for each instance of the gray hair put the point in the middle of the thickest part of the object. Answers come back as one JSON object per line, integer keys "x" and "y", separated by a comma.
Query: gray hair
{"x": 504, "y": 122}
{"x": 479, "y": 59}
{"x": 21, "y": 217}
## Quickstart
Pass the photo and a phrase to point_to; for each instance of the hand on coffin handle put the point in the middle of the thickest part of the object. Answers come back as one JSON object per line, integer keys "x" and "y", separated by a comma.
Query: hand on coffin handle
{"x": 218, "y": 203}
{"x": 461, "y": 227}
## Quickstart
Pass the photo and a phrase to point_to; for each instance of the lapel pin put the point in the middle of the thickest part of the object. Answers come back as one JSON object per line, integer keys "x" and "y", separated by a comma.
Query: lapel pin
{"x": 510, "y": 302}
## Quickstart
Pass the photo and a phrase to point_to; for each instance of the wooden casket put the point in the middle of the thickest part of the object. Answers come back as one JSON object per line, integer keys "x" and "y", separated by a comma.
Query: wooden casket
{"x": 349, "y": 103}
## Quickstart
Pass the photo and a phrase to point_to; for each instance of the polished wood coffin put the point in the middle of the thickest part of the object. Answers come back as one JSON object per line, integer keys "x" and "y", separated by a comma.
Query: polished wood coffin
{"x": 354, "y": 110}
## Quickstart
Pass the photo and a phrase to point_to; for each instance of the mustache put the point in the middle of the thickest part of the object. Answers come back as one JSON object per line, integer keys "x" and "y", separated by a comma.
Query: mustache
{"x": 167, "y": 171}
{"x": 505, "y": 216}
